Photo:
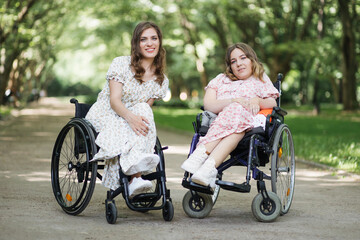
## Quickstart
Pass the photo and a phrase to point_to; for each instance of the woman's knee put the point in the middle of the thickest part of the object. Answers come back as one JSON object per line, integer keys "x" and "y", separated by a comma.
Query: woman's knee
{"x": 142, "y": 109}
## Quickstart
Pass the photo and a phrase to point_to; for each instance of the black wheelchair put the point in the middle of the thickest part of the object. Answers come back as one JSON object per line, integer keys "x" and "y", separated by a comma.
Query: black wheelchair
{"x": 73, "y": 175}
{"x": 259, "y": 148}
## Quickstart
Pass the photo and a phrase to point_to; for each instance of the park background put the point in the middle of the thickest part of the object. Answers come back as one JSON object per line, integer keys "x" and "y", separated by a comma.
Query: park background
{"x": 63, "y": 48}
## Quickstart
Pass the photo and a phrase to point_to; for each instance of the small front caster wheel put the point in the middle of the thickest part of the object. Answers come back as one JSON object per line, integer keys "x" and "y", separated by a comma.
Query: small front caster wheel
{"x": 197, "y": 205}
{"x": 111, "y": 213}
{"x": 266, "y": 210}
{"x": 168, "y": 211}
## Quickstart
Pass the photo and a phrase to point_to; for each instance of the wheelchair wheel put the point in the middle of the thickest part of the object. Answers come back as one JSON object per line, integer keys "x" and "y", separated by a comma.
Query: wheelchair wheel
{"x": 197, "y": 205}
{"x": 266, "y": 211}
{"x": 111, "y": 212}
{"x": 168, "y": 211}
{"x": 283, "y": 167}
{"x": 73, "y": 177}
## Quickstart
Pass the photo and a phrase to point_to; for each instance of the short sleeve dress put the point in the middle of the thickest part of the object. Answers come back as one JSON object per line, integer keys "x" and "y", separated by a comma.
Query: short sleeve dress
{"x": 115, "y": 136}
{"x": 234, "y": 118}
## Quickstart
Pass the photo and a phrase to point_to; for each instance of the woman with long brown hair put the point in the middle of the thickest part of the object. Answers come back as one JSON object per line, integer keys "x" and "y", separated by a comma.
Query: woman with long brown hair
{"x": 122, "y": 114}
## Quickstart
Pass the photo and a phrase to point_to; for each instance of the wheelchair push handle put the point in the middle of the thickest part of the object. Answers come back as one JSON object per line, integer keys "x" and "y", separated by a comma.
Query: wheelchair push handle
{"x": 277, "y": 85}
{"x": 74, "y": 100}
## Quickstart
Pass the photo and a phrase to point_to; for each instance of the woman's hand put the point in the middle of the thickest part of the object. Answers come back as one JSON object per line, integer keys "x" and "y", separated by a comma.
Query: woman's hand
{"x": 138, "y": 124}
{"x": 254, "y": 105}
{"x": 242, "y": 101}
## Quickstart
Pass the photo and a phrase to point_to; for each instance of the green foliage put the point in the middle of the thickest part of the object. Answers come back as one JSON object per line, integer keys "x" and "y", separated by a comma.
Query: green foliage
{"x": 76, "y": 41}
{"x": 177, "y": 103}
{"x": 57, "y": 88}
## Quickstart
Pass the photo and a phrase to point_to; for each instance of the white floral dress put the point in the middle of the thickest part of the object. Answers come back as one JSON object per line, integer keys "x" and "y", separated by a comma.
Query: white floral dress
{"x": 115, "y": 136}
{"x": 234, "y": 118}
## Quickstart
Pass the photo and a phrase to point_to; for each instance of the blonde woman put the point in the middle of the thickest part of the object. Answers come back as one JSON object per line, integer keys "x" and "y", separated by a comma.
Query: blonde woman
{"x": 236, "y": 96}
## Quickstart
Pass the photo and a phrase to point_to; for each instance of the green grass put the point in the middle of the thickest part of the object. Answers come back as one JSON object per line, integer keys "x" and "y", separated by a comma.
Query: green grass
{"x": 177, "y": 119}
{"x": 334, "y": 142}
{"x": 4, "y": 112}
{"x": 332, "y": 138}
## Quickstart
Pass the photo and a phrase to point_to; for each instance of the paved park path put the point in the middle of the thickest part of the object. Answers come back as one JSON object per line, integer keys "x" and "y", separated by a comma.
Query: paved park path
{"x": 325, "y": 206}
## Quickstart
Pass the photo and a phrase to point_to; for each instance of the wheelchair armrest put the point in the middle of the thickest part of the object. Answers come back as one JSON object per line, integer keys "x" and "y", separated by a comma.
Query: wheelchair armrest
{"x": 197, "y": 123}
{"x": 280, "y": 111}
{"x": 203, "y": 122}
{"x": 273, "y": 120}
{"x": 203, "y": 130}
{"x": 277, "y": 115}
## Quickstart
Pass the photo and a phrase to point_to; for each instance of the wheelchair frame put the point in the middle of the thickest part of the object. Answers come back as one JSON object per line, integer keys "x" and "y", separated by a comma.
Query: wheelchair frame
{"x": 73, "y": 175}
{"x": 268, "y": 145}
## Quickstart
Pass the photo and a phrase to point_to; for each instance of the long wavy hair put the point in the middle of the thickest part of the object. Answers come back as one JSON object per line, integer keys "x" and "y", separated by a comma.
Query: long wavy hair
{"x": 136, "y": 56}
{"x": 257, "y": 66}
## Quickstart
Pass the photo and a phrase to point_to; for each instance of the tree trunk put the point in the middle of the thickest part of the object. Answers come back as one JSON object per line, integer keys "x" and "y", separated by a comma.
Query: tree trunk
{"x": 335, "y": 90}
{"x": 349, "y": 56}
{"x": 5, "y": 70}
{"x": 316, "y": 102}
{"x": 320, "y": 30}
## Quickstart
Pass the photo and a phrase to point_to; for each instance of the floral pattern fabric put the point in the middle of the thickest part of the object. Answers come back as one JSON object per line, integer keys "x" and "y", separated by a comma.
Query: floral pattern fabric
{"x": 234, "y": 118}
{"x": 115, "y": 136}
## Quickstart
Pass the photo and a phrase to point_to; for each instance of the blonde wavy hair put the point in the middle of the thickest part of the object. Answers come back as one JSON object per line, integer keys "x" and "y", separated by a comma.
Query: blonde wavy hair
{"x": 257, "y": 66}
{"x": 136, "y": 56}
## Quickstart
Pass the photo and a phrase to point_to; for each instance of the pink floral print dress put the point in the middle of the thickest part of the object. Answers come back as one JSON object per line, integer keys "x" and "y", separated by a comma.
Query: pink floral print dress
{"x": 115, "y": 136}
{"x": 234, "y": 118}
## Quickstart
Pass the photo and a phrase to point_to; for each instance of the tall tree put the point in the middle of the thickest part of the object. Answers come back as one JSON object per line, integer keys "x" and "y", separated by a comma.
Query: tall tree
{"x": 21, "y": 25}
{"x": 12, "y": 42}
{"x": 348, "y": 16}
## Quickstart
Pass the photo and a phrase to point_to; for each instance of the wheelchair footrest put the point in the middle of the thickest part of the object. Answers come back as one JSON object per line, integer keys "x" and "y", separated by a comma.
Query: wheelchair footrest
{"x": 244, "y": 187}
{"x": 197, "y": 187}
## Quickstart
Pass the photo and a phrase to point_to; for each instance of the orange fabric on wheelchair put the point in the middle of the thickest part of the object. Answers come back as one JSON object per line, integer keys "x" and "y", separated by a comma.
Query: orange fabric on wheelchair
{"x": 266, "y": 111}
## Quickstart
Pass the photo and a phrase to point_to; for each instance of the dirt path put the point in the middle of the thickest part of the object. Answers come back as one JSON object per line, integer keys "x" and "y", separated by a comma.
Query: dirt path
{"x": 325, "y": 204}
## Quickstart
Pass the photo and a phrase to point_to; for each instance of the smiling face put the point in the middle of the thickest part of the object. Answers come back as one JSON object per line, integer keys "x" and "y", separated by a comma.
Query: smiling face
{"x": 240, "y": 64}
{"x": 149, "y": 43}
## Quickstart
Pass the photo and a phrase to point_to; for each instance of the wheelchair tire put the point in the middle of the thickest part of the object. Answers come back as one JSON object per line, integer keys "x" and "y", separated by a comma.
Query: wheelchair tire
{"x": 197, "y": 205}
{"x": 168, "y": 211}
{"x": 73, "y": 177}
{"x": 283, "y": 167}
{"x": 111, "y": 212}
{"x": 266, "y": 212}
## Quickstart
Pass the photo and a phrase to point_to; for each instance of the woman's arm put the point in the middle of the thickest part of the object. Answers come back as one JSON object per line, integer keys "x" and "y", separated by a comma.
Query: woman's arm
{"x": 256, "y": 104}
{"x": 151, "y": 101}
{"x": 263, "y": 102}
{"x": 137, "y": 123}
{"x": 267, "y": 103}
{"x": 214, "y": 105}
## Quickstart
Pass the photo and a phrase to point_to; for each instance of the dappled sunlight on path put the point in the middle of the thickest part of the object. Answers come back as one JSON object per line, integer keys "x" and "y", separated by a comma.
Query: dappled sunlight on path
{"x": 323, "y": 205}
